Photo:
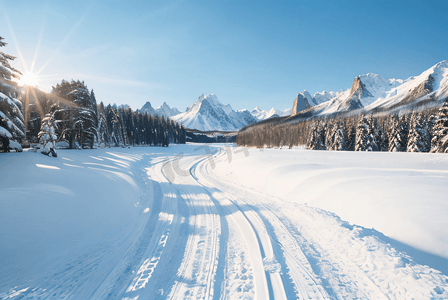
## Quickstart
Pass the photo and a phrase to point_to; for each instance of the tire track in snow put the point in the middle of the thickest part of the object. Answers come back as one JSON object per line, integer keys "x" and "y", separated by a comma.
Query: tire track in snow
{"x": 109, "y": 261}
{"x": 270, "y": 229}
{"x": 206, "y": 246}
{"x": 161, "y": 257}
{"x": 259, "y": 244}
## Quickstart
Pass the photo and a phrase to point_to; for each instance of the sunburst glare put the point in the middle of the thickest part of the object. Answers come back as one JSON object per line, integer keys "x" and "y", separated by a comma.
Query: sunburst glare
{"x": 29, "y": 78}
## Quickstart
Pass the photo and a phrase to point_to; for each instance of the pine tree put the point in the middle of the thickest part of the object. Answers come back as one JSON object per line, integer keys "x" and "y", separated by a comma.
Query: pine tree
{"x": 372, "y": 135}
{"x": 77, "y": 111}
{"x": 47, "y": 136}
{"x": 103, "y": 137}
{"x": 330, "y": 133}
{"x": 439, "y": 142}
{"x": 12, "y": 125}
{"x": 7, "y": 85}
{"x": 418, "y": 139}
{"x": 383, "y": 136}
{"x": 395, "y": 134}
{"x": 316, "y": 140}
{"x": 362, "y": 135}
{"x": 351, "y": 135}
{"x": 339, "y": 138}
{"x": 404, "y": 132}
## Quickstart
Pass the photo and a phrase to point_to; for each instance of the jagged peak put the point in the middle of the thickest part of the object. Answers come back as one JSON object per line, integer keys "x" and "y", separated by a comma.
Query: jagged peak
{"x": 443, "y": 64}
{"x": 147, "y": 104}
{"x": 359, "y": 89}
{"x": 305, "y": 93}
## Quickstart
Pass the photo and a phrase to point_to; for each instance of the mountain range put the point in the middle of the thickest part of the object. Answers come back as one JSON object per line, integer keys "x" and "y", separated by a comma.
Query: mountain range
{"x": 162, "y": 110}
{"x": 372, "y": 93}
{"x": 209, "y": 114}
{"x": 263, "y": 114}
{"x": 368, "y": 93}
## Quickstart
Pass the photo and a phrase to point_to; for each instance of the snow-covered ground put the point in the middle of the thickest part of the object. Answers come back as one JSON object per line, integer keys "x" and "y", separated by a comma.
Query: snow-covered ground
{"x": 177, "y": 223}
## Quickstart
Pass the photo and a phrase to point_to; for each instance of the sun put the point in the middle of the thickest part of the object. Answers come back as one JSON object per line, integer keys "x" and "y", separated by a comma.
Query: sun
{"x": 29, "y": 78}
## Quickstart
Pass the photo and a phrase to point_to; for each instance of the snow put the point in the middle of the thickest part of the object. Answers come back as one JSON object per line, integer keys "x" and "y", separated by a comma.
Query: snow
{"x": 4, "y": 132}
{"x": 238, "y": 223}
{"x": 208, "y": 114}
{"x": 263, "y": 114}
{"x": 386, "y": 93}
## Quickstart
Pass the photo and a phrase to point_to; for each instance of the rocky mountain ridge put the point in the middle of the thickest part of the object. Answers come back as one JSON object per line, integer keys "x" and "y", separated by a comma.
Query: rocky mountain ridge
{"x": 371, "y": 93}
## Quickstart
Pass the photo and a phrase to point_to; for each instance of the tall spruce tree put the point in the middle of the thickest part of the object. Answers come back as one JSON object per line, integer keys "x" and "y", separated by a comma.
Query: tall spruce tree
{"x": 316, "y": 140}
{"x": 418, "y": 138}
{"x": 372, "y": 135}
{"x": 439, "y": 142}
{"x": 12, "y": 126}
{"x": 362, "y": 134}
{"x": 396, "y": 134}
{"x": 77, "y": 111}
{"x": 47, "y": 136}
{"x": 339, "y": 138}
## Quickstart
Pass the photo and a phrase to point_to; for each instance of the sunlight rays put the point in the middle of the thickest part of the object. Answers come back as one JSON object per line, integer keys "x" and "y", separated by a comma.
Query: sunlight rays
{"x": 41, "y": 33}
{"x": 29, "y": 79}
{"x": 63, "y": 42}
{"x": 16, "y": 44}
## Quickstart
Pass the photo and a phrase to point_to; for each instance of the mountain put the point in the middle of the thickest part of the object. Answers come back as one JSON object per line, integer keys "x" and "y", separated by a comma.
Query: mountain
{"x": 162, "y": 110}
{"x": 263, "y": 114}
{"x": 166, "y": 110}
{"x": 208, "y": 114}
{"x": 371, "y": 92}
{"x": 147, "y": 108}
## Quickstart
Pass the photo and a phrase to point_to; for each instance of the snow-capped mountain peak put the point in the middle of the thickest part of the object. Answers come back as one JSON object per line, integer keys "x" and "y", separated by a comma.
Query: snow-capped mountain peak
{"x": 372, "y": 92}
{"x": 208, "y": 114}
{"x": 263, "y": 114}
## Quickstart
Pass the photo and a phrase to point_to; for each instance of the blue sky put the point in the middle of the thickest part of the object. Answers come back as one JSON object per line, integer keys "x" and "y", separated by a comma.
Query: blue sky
{"x": 248, "y": 53}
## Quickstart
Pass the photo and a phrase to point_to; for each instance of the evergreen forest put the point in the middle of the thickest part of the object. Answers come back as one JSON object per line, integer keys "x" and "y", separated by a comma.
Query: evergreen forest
{"x": 77, "y": 120}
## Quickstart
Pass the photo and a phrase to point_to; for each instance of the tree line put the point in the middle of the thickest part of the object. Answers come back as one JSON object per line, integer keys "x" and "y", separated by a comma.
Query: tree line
{"x": 418, "y": 131}
{"x": 76, "y": 118}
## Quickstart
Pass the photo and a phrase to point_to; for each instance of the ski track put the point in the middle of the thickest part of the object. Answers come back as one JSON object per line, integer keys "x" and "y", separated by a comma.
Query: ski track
{"x": 273, "y": 261}
{"x": 203, "y": 237}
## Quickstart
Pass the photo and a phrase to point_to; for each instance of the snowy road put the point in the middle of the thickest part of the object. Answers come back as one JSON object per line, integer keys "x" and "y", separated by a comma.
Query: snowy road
{"x": 190, "y": 230}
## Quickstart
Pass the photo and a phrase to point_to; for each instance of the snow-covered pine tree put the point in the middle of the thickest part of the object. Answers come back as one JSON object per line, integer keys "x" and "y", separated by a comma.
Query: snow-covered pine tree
{"x": 339, "y": 137}
{"x": 404, "y": 131}
{"x": 362, "y": 134}
{"x": 395, "y": 138}
{"x": 77, "y": 112}
{"x": 316, "y": 140}
{"x": 439, "y": 142}
{"x": 47, "y": 136}
{"x": 12, "y": 126}
{"x": 330, "y": 133}
{"x": 372, "y": 135}
{"x": 418, "y": 138}
{"x": 351, "y": 134}
{"x": 383, "y": 144}
{"x": 7, "y": 85}
{"x": 102, "y": 130}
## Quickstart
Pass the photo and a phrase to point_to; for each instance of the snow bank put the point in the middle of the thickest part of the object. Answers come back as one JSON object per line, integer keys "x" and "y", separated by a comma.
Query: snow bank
{"x": 54, "y": 211}
{"x": 402, "y": 195}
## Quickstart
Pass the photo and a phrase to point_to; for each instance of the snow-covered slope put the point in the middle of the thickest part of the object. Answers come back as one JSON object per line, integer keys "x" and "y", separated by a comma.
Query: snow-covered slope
{"x": 177, "y": 223}
{"x": 263, "y": 114}
{"x": 372, "y": 92}
{"x": 208, "y": 114}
